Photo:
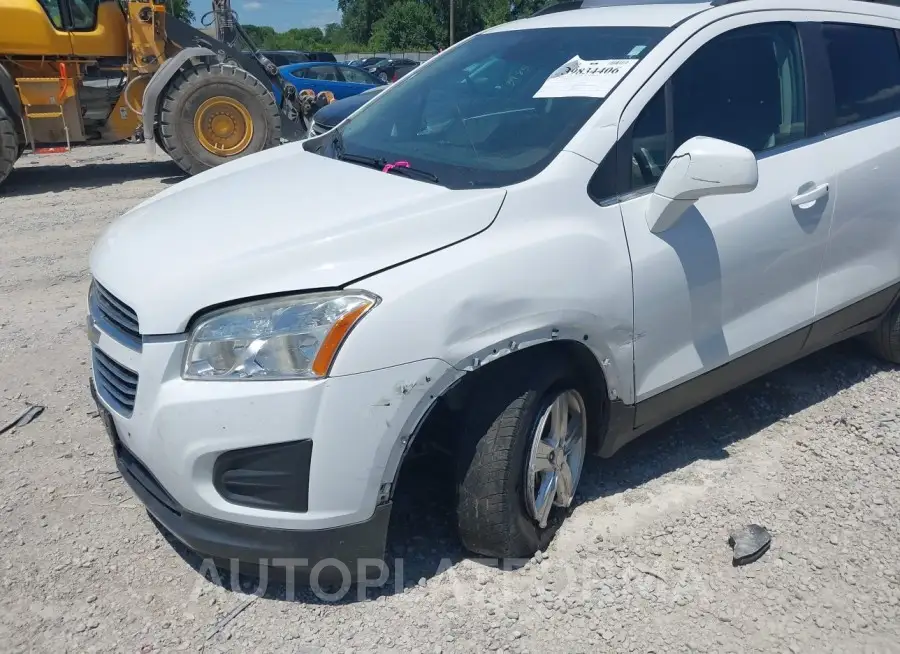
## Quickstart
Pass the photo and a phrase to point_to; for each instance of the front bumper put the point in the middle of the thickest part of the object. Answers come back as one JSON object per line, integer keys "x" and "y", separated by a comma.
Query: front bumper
{"x": 340, "y": 552}
{"x": 178, "y": 430}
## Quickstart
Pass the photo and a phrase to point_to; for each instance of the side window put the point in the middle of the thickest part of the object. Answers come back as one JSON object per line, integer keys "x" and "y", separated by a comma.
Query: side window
{"x": 328, "y": 73}
{"x": 865, "y": 67}
{"x": 54, "y": 13}
{"x": 84, "y": 14}
{"x": 649, "y": 147}
{"x": 745, "y": 86}
{"x": 355, "y": 76}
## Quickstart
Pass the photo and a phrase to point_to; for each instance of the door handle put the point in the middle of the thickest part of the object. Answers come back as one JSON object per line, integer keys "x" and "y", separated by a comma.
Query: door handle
{"x": 812, "y": 195}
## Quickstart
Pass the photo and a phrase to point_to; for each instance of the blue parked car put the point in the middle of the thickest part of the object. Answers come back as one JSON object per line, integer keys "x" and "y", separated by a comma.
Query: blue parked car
{"x": 342, "y": 80}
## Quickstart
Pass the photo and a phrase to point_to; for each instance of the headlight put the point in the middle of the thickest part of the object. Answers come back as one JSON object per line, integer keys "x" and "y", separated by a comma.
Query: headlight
{"x": 293, "y": 337}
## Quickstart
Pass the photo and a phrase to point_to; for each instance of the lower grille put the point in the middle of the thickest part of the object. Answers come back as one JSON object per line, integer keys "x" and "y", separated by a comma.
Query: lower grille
{"x": 116, "y": 384}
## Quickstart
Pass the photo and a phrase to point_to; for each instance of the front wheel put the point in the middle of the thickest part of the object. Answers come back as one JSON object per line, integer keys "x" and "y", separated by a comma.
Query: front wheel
{"x": 212, "y": 114}
{"x": 524, "y": 449}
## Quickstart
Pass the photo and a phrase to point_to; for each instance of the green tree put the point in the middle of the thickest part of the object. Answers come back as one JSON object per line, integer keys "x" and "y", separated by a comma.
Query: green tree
{"x": 181, "y": 9}
{"x": 380, "y": 21}
{"x": 336, "y": 36}
{"x": 360, "y": 16}
{"x": 406, "y": 25}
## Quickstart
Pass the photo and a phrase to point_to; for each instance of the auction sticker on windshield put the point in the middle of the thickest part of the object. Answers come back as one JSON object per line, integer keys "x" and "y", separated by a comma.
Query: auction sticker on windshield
{"x": 582, "y": 78}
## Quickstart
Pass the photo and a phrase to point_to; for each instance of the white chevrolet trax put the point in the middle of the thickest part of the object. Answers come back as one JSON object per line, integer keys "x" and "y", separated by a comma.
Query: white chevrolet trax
{"x": 552, "y": 237}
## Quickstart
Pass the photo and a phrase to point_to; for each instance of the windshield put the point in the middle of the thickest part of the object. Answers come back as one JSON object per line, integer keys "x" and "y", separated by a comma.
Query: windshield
{"x": 470, "y": 119}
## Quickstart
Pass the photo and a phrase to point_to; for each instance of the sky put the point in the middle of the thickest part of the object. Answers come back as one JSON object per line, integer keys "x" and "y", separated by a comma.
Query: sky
{"x": 280, "y": 14}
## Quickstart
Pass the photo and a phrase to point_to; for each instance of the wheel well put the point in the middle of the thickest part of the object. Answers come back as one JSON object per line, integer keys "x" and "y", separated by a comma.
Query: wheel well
{"x": 438, "y": 431}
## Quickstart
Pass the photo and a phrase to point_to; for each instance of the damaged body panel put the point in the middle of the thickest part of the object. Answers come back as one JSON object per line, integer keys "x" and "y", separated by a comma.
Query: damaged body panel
{"x": 565, "y": 278}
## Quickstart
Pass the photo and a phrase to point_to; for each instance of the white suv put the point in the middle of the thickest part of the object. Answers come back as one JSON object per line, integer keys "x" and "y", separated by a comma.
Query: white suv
{"x": 550, "y": 238}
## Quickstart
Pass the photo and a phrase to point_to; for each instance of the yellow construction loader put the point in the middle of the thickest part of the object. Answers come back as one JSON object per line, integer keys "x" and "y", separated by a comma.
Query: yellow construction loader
{"x": 102, "y": 71}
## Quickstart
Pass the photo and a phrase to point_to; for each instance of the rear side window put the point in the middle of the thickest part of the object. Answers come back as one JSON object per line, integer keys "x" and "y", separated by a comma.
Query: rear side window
{"x": 865, "y": 66}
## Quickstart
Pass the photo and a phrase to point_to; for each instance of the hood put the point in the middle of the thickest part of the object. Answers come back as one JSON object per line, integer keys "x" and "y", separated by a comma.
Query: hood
{"x": 332, "y": 114}
{"x": 279, "y": 221}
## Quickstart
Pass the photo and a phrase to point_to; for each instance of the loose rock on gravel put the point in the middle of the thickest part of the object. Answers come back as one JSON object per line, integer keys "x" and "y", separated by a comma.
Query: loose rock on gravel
{"x": 812, "y": 452}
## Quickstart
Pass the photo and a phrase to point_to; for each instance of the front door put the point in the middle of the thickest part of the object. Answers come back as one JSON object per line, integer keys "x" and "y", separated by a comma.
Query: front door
{"x": 735, "y": 272}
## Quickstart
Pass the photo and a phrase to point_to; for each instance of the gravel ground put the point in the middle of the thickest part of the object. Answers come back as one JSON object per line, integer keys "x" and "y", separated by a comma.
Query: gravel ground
{"x": 642, "y": 564}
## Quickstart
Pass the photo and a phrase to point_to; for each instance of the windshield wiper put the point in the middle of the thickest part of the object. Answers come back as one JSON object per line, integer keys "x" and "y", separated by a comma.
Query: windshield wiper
{"x": 417, "y": 172}
{"x": 337, "y": 143}
{"x": 372, "y": 162}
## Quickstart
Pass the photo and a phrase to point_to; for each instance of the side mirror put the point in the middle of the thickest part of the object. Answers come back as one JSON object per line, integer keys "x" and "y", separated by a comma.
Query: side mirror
{"x": 702, "y": 166}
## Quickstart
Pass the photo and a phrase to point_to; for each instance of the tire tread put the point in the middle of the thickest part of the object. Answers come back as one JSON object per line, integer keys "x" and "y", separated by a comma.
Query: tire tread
{"x": 9, "y": 143}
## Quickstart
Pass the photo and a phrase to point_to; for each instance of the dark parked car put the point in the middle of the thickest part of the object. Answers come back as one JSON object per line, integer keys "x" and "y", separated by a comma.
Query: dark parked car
{"x": 329, "y": 116}
{"x": 285, "y": 57}
{"x": 390, "y": 70}
{"x": 320, "y": 56}
{"x": 365, "y": 62}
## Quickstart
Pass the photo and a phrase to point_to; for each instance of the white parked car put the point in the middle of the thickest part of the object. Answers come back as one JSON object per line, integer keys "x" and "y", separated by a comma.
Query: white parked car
{"x": 631, "y": 210}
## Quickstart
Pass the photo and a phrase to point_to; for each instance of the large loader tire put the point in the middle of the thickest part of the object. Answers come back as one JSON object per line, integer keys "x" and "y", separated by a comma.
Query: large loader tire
{"x": 9, "y": 143}
{"x": 214, "y": 114}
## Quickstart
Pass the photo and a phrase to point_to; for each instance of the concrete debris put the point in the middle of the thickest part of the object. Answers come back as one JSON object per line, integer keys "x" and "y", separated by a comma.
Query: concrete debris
{"x": 749, "y": 543}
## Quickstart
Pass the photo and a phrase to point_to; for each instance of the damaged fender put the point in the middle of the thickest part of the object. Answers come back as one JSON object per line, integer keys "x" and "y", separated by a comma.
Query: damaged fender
{"x": 546, "y": 270}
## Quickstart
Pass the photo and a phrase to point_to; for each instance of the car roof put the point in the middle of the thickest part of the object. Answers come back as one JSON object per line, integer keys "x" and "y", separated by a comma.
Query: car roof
{"x": 669, "y": 13}
{"x": 624, "y": 13}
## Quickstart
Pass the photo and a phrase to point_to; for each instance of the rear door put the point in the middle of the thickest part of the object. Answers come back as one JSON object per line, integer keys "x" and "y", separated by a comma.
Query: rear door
{"x": 862, "y": 265}
{"x": 738, "y": 272}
